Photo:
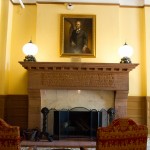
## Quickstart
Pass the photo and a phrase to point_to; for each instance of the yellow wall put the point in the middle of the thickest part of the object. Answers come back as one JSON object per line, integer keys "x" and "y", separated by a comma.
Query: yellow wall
{"x": 132, "y": 31}
{"x": 48, "y": 31}
{"x": 147, "y": 41}
{"x": 4, "y": 6}
{"x": 114, "y": 26}
{"x": 23, "y": 29}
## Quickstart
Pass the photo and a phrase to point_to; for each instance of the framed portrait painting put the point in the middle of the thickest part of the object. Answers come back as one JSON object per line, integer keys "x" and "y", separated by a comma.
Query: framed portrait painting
{"x": 77, "y": 35}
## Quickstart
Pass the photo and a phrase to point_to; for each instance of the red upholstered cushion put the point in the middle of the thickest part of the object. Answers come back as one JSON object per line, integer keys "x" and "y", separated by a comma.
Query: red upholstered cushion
{"x": 9, "y": 136}
{"x": 122, "y": 134}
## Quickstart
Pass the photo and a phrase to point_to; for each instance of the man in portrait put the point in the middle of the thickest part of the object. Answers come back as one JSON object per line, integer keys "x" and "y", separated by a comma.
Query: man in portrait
{"x": 78, "y": 39}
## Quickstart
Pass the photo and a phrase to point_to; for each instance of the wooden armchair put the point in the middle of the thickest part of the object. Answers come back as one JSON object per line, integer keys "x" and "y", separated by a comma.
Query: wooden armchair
{"x": 9, "y": 136}
{"x": 122, "y": 134}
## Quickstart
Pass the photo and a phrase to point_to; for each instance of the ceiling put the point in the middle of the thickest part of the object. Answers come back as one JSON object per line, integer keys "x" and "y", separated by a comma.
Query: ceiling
{"x": 119, "y": 2}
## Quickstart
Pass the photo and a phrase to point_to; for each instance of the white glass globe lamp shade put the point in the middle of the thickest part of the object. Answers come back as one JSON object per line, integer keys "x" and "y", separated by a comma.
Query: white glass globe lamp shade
{"x": 125, "y": 52}
{"x": 30, "y": 50}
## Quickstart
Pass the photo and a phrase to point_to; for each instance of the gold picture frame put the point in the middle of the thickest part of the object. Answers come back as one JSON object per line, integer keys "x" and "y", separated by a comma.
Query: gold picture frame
{"x": 79, "y": 42}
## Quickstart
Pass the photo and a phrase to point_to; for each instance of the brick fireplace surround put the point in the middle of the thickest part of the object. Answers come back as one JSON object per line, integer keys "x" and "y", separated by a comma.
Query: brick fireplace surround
{"x": 76, "y": 76}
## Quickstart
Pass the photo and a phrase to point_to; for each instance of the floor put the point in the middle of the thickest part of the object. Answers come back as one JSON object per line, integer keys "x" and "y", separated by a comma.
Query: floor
{"x": 148, "y": 144}
{"x": 44, "y": 148}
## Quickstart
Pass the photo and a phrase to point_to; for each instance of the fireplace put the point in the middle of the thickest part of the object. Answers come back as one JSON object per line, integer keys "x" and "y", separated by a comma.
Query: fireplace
{"x": 74, "y": 124}
{"x": 78, "y": 122}
{"x": 76, "y": 76}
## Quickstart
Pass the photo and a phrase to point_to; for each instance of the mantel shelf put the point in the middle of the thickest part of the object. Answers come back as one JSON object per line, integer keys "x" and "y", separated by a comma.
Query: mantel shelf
{"x": 76, "y": 66}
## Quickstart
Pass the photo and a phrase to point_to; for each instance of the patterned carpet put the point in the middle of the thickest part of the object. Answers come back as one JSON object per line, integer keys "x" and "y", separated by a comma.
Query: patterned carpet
{"x": 44, "y": 148}
{"x": 47, "y": 148}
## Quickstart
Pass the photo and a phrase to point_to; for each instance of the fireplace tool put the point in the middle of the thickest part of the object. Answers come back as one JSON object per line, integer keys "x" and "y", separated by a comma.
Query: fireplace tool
{"x": 111, "y": 113}
{"x": 44, "y": 132}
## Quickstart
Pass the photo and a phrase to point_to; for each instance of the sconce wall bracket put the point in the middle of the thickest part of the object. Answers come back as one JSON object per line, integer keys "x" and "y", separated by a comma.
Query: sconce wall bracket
{"x": 126, "y": 60}
{"x": 30, "y": 58}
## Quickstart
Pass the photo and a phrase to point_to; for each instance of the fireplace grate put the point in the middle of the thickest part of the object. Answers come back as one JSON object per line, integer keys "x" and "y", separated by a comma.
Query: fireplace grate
{"x": 79, "y": 122}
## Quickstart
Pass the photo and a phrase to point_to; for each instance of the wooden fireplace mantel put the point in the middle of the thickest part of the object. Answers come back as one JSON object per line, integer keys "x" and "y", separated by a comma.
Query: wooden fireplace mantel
{"x": 76, "y": 75}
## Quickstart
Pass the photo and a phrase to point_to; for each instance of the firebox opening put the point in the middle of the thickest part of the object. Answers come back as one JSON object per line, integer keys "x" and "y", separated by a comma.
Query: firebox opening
{"x": 78, "y": 122}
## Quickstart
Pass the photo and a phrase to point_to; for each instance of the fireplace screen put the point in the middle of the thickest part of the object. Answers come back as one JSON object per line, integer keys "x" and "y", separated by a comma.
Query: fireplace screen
{"x": 79, "y": 122}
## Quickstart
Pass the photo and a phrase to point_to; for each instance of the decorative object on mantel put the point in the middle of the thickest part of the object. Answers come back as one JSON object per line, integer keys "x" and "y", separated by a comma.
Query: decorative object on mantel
{"x": 30, "y": 50}
{"x": 125, "y": 52}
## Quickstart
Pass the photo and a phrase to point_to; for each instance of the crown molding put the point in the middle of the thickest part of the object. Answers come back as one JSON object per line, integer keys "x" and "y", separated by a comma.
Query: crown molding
{"x": 118, "y": 2}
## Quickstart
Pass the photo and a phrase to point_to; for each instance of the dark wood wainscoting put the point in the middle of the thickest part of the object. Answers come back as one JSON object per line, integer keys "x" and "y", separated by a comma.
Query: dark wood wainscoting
{"x": 2, "y": 105}
{"x": 136, "y": 109}
{"x": 148, "y": 113}
{"x": 14, "y": 109}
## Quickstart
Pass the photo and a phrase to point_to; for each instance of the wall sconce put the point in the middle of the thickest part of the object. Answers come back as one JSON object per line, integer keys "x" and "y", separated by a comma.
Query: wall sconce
{"x": 125, "y": 53}
{"x": 30, "y": 50}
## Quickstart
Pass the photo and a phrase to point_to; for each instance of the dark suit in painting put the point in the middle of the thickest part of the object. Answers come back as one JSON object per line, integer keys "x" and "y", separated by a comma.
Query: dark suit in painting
{"x": 78, "y": 41}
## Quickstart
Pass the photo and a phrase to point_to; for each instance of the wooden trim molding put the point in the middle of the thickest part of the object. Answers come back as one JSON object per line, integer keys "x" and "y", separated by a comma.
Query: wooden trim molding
{"x": 126, "y": 3}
